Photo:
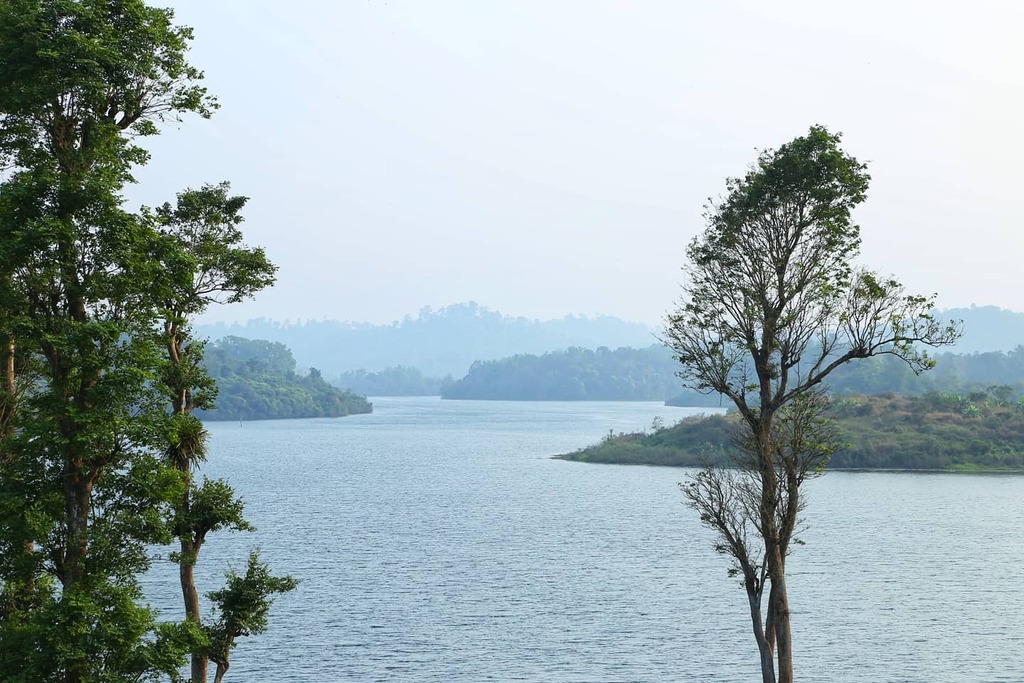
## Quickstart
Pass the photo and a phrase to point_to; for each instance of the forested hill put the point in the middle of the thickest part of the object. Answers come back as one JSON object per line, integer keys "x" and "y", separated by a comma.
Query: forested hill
{"x": 575, "y": 374}
{"x": 650, "y": 374}
{"x": 256, "y": 380}
{"x": 436, "y": 342}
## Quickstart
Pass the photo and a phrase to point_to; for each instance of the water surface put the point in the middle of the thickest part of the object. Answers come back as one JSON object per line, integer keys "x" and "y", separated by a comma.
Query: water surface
{"x": 437, "y": 541}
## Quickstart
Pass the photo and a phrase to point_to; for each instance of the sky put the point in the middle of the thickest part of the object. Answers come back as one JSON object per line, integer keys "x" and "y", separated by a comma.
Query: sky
{"x": 553, "y": 157}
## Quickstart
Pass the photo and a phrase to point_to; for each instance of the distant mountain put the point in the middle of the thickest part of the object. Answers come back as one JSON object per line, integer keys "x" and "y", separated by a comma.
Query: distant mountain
{"x": 987, "y": 328}
{"x": 449, "y": 340}
{"x": 436, "y": 342}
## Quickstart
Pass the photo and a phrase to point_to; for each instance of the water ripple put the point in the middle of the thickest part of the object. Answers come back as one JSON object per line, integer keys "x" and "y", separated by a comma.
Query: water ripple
{"x": 435, "y": 541}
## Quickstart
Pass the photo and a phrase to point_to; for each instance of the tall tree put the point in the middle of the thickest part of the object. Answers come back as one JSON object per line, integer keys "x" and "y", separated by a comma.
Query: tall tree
{"x": 83, "y": 82}
{"x": 205, "y": 262}
{"x": 772, "y": 304}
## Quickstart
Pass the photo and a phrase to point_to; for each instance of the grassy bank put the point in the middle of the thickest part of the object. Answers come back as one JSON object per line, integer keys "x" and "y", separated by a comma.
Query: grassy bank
{"x": 950, "y": 432}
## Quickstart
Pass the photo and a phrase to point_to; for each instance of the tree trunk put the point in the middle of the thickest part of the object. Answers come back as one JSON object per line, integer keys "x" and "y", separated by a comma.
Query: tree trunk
{"x": 186, "y": 573}
{"x": 780, "y": 617}
{"x": 764, "y": 645}
{"x": 189, "y": 551}
{"x": 775, "y": 546}
{"x": 8, "y": 400}
{"x": 190, "y": 546}
{"x": 78, "y": 501}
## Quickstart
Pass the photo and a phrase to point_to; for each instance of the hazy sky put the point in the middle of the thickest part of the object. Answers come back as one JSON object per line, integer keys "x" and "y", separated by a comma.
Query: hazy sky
{"x": 546, "y": 157}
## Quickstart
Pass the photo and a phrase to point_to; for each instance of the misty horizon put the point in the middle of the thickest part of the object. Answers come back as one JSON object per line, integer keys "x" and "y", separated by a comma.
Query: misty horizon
{"x": 553, "y": 159}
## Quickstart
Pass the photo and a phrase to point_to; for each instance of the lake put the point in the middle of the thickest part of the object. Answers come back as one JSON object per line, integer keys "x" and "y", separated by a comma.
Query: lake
{"x": 437, "y": 541}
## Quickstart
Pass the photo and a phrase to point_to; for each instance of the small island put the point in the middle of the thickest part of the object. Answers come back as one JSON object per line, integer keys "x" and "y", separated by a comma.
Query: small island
{"x": 257, "y": 380}
{"x": 979, "y": 432}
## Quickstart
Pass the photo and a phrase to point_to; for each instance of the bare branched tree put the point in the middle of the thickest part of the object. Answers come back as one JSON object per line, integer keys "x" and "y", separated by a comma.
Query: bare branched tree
{"x": 729, "y": 498}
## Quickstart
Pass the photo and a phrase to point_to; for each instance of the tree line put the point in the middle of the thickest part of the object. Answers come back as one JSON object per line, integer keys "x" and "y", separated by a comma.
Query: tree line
{"x": 576, "y": 374}
{"x": 953, "y": 373}
{"x": 446, "y": 341}
{"x": 399, "y": 380}
{"x": 651, "y": 374}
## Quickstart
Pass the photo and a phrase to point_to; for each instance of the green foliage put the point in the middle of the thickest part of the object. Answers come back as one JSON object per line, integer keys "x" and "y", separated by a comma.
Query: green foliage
{"x": 170, "y": 643}
{"x": 92, "y": 69}
{"x": 213, "y": 506}
{"x": 933, "y": 431}
{"x": 242, "y": 607}
{"x": 257, "y": 381}
{"x": 772, "y": 305}
{"x": 691, "y": 442}
{"x": 207, "y": 262}
{"x": 103, "y": 625}
{"x": 187, "y": 441}
{"x": 249, "y": 357}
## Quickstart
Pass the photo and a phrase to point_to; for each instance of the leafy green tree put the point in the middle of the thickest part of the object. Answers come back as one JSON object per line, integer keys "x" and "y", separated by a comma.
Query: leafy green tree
{"x": 771, "y": 306}
{"x": 204, "y": 262}
{"x": 18, "y": 587}
{"x": 84, "y": 487}
{"x": 242, "y": 607}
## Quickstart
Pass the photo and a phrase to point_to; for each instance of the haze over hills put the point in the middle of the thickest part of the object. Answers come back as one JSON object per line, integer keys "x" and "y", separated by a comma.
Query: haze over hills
{"x": 447, "y": 341}
{"x": 439, "y": 342}
{"x": 469, "y": 351}
{"x": 987, "y": 328}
